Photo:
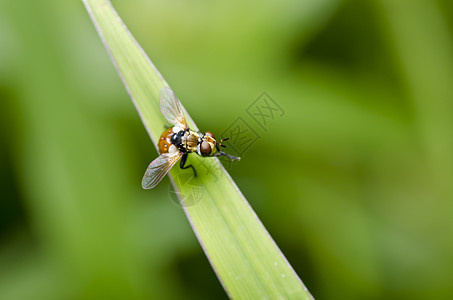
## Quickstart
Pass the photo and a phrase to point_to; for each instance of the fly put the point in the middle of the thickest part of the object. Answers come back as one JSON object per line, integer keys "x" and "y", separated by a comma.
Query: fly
{"x": 178, "y": 141}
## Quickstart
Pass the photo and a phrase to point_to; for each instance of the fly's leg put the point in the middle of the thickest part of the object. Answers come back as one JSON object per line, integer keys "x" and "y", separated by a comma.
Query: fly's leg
{"x": 221, "y": 153}
{"x": 183, "y": 162}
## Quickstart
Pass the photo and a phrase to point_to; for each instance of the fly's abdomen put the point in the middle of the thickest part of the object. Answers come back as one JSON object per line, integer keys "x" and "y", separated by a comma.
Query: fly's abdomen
{"x": 165, "y": 141}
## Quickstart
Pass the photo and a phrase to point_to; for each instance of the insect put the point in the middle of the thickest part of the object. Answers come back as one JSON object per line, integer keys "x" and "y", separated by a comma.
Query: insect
{"x": 178, "y": 141}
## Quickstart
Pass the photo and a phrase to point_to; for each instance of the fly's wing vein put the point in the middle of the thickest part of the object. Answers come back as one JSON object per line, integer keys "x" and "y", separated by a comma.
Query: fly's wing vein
{"x": 158, "y": 168}
{"x": 171, "y": 108}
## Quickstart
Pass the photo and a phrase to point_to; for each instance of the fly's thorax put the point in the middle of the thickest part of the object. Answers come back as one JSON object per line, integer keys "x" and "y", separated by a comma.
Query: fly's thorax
{"x": 184, "y": 140}
{"x": 191, "y": 140}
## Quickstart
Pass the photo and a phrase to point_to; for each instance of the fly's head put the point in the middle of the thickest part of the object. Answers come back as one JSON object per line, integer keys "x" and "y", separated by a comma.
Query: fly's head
{"x": 207, "y": 144}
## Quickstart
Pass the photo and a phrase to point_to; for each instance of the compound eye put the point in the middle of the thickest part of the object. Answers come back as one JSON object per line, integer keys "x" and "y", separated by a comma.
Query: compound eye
{"x": 208, "y": 133}
{"x": 205, "y": 149}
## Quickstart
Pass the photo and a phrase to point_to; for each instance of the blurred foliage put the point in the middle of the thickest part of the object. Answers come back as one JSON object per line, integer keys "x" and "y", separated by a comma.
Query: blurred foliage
{"x": 354, "y": 182}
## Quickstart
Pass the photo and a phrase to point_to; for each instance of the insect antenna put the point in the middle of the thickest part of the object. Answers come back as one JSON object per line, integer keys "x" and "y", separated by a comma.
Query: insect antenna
{"x": 222, "y": 140}
{"x": 221, "y": 153}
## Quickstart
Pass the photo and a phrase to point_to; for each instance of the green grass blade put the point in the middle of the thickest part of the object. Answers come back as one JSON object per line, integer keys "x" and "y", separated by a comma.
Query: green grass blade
{"x": 244, "y": 256}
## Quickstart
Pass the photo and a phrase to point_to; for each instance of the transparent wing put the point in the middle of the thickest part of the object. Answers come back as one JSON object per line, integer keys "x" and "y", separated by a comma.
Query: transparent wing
{"x": 158, "y": 168}
{"x": 171, "y": 108}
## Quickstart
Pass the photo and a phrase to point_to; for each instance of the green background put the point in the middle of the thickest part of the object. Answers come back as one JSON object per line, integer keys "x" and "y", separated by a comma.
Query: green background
{"x": 354, "y": 181}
